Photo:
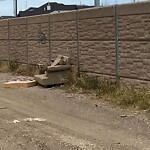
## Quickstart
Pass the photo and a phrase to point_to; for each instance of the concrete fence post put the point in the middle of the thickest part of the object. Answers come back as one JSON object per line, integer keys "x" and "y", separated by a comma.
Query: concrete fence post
{"x": 8, "y": 42}
{"x": 78, "y": 41}
{"x": 27, "y": 42}
{"x": 50, "y": 53}
{"x": 116, "y": 46}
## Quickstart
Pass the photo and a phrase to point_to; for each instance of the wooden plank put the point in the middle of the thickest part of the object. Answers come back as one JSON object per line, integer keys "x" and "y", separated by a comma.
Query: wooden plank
{"x": 20, "y": 84}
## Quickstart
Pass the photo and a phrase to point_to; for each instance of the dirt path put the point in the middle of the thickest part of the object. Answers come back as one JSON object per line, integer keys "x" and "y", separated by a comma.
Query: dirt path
{"x": 69, "y": 122}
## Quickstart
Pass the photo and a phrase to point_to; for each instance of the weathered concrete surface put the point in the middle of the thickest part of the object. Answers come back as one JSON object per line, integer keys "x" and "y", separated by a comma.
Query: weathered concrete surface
{"x": 57, "y": 73}
{"x": 73, "y": 122}
{"x": 38, "y": 39}
{"x": 53, "y": 78}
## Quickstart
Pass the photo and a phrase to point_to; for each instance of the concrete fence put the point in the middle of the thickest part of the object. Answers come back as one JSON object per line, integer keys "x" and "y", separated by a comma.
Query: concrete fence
{"x": 110, "y": 42}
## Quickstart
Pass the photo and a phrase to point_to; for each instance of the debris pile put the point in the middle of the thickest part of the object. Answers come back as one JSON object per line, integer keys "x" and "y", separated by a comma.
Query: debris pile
{"x": 56, "y": 73}
{"x": 20, "y": 81}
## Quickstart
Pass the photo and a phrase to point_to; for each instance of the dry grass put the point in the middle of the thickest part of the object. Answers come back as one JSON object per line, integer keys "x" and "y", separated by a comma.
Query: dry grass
{"x": 108, "y": 91}
{"x": 27, "y": 71}
{"x": 4, "y": 68}
{"x": 18, "y": 69}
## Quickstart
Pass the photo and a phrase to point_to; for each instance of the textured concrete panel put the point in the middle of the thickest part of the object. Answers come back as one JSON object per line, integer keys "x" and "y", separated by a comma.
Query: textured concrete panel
{"x": 3, "y": 22}
{"x": 34, "y": 30}
{"x": 4, "y": 32}
{"x": 38, "y": 19}
{"x": 17, "y": 21}
{"x": 65, "y": 30}
{"x": 96, "y": 12}
{"x": 98, "y": 28}
{"x": 134, "y": 9}
{"x": 135, "y": 27}
{"x": 59, "y": 17}
{"x": 4, "y": 50}
{"x": 38, "y": 53}
{"x": 67, "y": 48}
{"x": 17, "y": 32}
{"x": 18, "y": 51}
{"x": 96, "y": 36}
{"x": 98, "y": 57}
{"x": 135, "y": 60}
{"x": 135, "y": 82}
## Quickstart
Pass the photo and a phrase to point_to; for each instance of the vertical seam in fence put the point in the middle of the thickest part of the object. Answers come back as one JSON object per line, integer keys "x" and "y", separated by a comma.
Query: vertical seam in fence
{"x": 27, "y": 43}
{"x": 50, "y": 53}
{"x": 78, "y": 42}
{"x": 8, "y": 43}
{"x": 116, "y": 46}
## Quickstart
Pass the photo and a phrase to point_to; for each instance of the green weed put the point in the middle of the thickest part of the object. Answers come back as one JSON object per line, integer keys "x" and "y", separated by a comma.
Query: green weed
{"x": 13, "y": 66}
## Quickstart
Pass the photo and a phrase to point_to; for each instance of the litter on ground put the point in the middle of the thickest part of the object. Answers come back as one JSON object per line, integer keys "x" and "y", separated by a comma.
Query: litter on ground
{"x": 20, "y": 82}
{"x": 29, "y": 120}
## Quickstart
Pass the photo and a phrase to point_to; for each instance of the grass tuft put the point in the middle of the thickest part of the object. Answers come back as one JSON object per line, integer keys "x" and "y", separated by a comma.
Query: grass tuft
{"x": 13, "y": 66}
{"x": 126, "y": 97}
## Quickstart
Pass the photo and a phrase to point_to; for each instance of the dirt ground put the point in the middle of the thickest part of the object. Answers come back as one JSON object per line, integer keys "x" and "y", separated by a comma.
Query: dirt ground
{"x": 40, "y": 118}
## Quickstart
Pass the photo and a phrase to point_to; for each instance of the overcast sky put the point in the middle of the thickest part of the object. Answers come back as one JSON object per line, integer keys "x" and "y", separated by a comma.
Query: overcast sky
{"x": 6, "y": 6}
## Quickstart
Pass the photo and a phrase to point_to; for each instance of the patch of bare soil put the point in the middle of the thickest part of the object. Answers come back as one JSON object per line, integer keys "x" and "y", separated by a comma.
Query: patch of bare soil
{"x": 67, "y": 121}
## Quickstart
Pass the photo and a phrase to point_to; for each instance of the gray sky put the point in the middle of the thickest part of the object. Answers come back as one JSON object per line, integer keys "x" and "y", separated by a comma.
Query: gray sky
{"x": 6, "y": 6}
